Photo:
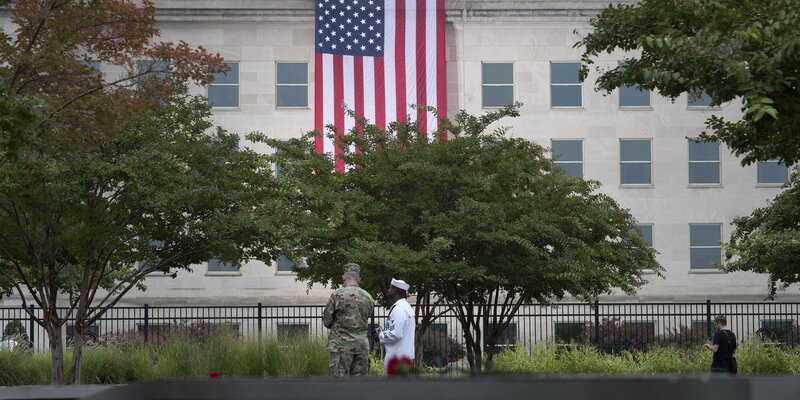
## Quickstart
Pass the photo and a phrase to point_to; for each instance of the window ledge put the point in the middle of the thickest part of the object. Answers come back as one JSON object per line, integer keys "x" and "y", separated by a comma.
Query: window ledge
{"x": 566, "y": 108}
{"x": 706, "y": 271}
{"x": 157, "y": 274}
{"x": 647, "y": 272}
{"x": 770, "y": 185}
{"x": 636, "y": 108}
{"x": 292, "y": 108}
{"x": 285, "y": 273}
{"x": 224, "y": 273}
{"x": 636, "y": 186}
{"x": 705, "y": 186}
{"x": 227, "y": 109}
{"x": 702, "y": 108}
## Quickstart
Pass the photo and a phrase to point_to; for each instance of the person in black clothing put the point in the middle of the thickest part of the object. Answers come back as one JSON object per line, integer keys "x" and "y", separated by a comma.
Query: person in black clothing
{"x": 723, "y": 346}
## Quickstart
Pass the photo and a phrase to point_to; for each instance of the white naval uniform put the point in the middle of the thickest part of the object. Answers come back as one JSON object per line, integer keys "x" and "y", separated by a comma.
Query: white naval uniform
{"x": 398, "y": 338}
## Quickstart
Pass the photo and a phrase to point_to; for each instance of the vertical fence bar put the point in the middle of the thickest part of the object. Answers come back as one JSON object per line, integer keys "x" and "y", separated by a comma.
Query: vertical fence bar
{"x": 259, "y": 321}
{"x": 32, "y": 324}
{"x": 597, "y": 322}
{"x": 708, "y": 317}
{"x": 146, "y": 321}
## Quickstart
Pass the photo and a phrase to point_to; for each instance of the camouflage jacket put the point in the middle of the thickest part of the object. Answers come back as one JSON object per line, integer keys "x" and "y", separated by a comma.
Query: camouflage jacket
{"x": 347, "y": 315}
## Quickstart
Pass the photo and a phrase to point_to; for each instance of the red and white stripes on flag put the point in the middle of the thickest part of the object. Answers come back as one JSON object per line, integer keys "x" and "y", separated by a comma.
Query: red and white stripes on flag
{"x": 408, "y": 69}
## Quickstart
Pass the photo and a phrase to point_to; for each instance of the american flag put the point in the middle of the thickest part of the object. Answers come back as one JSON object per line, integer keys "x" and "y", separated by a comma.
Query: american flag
{"x": 377, "y": 57}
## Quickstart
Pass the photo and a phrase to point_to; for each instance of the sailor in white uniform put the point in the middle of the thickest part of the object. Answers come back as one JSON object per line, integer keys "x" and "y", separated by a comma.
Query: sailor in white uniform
{"x": 398, "y": 337}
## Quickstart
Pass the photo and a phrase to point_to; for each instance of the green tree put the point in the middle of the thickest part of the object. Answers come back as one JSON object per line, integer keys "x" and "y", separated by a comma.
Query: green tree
{"x": 768, "y": 240}
{"x": 105, "y": 179}
{"x": 729, "y": 49}
{"x": 477, "y": 220}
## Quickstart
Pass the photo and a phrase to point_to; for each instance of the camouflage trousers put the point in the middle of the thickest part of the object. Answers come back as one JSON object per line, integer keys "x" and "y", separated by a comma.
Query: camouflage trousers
{"x": 344, "y": 364}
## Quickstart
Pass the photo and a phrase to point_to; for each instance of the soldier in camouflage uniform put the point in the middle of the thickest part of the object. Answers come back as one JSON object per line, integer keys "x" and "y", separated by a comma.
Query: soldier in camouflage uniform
{"x": 347, "y": 315}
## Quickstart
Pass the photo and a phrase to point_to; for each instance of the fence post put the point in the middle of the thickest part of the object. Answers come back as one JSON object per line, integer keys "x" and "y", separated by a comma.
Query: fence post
{"x": 146, "y": 321}
{"x": 259, "y": 321}
{"x": 596, "y": 322}
{"x": 708, "y": 317}
{"x": 32, "y": 325}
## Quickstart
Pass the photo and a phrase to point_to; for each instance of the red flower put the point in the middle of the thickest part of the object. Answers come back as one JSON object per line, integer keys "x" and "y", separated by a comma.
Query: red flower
{"x": 213, "y": 375}
{"x": 399, "y": 366}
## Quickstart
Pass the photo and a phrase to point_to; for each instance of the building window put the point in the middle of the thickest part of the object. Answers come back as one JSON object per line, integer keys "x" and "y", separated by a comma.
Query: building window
{"x": 646, "y": 231}
{"x": 224, "y": 91}
{"x": 701, "y": 100}
{"x": 285, "y": 264}
{"x": 771, "y": 172}
{"x": 90, "y": 333}
{"x": 703, "y": 162}
{"x": 568, "y": 156}
{"x": 149, "y": 69}
{"x": 705, "y": 249}
{"x": 566, "y": 89}
{"x": 154, "y": 245}
{"x": 777, "y": 330}
{"x": 506, "y": 340}
{"x": 215, "y": 265}
{"x": 497, "y": 80}
{"x": 571, "y": 332}
{"x": 291, "y": 86}
{"x": 635, "y": 162}
{"x": 292, "y": 332}
{"x": 633, "y": 96}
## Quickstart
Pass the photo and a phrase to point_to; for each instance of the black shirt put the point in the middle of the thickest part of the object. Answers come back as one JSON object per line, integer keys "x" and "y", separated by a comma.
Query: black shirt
{"x": 726, "y": 340}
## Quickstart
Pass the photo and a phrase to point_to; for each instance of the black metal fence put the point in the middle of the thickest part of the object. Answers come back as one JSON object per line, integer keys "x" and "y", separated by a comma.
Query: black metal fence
{"x": 609, "y": 326}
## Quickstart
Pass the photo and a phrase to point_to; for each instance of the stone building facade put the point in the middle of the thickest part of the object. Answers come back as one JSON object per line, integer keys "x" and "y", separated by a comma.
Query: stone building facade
{"x": 637, "y": 144}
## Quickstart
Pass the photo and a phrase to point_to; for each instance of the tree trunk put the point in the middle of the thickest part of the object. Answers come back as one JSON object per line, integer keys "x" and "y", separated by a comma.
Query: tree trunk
{"x": 77, "y": 353}
{"x": 476, "y": 367}
{"x": 418, "y": 349}
{"x": 56, "y": 354}
{"x": 489, "y": 357}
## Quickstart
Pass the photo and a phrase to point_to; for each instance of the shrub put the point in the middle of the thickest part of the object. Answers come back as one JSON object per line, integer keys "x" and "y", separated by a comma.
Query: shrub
{"x": 617, "y": 337}
{"x": 686, "y": 337}
{"x": 440, "y": 349}
{"x": 15, "y": 336}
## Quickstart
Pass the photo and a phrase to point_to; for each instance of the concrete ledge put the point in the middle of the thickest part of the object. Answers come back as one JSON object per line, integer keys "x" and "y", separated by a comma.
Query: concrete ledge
{"x": 51, "y": 392}
{"x": 701, "y": 387}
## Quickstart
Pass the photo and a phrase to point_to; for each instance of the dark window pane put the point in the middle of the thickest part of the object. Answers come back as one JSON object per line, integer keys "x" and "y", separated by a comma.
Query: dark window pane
{"x": 292, "y": 96}
{"x": 703, "y": 151}
{"x": 772, "y": 172}
{"x": 571, "y": 332}
{"x": 564, "y": 72}
{"x": 565, "y": 96}
{"x": 705, "y": 234}
{"x": 574, "y": 170}
{"x": 231, "y": 77}
{"x": 153, "y": 69}
{"x": 285, "y": 264}
{"x": 292, "y": 73}
{"x": 215, "y": 265}
{"x": 497, "y": 73}
{"x": 567, "y": 150}
{"x": 223, "y": 96}
{"x": 633, "y": 96}
{"x": 701, "y": 100}
{"x": 635, "y": 174}
{"x": 498, "y": 96}
{"x": 634, "y": 150}
{"x": 704, "y": 173}
{"x": 705, "y": 258}
{"x": 292, "y": 332}
{"x": 647, "y": 233}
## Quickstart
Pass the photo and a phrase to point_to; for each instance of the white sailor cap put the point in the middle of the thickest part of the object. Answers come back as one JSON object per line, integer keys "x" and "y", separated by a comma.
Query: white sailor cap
{"x": 400, "y": 284}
